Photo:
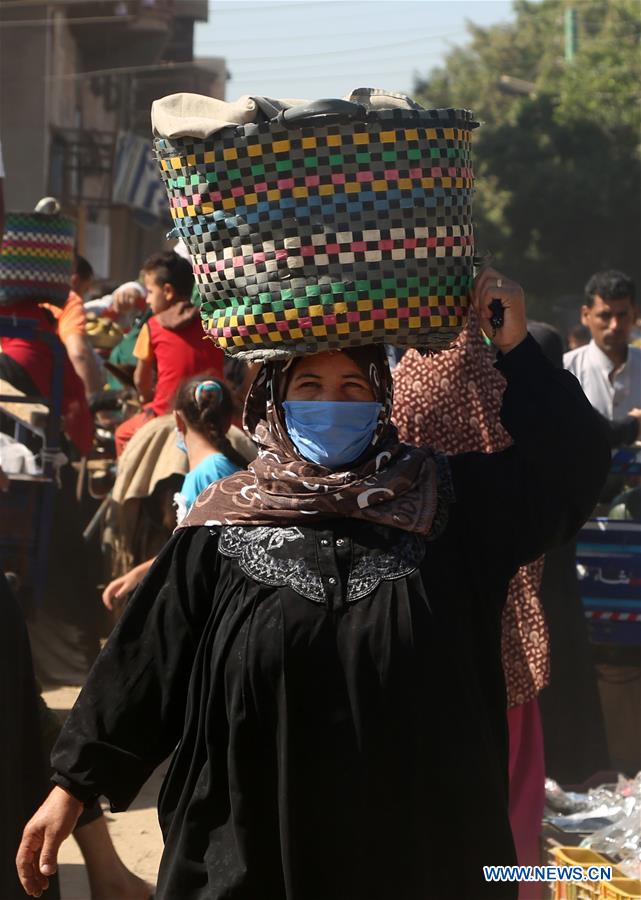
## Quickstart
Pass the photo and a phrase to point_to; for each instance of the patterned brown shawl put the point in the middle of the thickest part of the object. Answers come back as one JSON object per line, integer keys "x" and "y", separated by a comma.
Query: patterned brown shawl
{"x": 391, "y": 484}
{"x": 461, "y": 395}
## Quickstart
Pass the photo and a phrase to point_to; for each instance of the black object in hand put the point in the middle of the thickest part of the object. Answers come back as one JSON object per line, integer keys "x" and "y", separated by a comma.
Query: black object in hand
{"x": 498, "y": 315}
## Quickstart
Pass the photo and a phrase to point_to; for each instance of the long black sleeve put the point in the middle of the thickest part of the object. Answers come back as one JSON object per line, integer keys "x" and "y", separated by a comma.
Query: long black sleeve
{"x": 537, "y": 493}
{"x": 130, "y": 714}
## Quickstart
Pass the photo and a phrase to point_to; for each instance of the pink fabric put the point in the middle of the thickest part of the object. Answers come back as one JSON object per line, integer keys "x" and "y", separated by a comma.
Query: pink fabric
{"x": 527, "y": 787}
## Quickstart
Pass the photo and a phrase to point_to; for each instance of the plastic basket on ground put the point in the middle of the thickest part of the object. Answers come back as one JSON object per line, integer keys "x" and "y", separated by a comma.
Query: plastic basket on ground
{"x": 36, "y": 258}
{"x": 584, "y": 858}
{"x": 327, "y": 226}
{"x": 620, "y": 889}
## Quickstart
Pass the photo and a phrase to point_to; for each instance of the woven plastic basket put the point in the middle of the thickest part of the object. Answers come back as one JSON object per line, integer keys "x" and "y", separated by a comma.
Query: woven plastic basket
{"x": 327, "y": 227}
{"x": 621, "y": 889}
{"x": 583, "y": 857}
{"x": 36, "y": 258}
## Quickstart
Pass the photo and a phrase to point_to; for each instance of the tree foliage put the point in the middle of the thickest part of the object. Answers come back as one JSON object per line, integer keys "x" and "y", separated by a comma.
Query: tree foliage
{"x": 558, "y": 175}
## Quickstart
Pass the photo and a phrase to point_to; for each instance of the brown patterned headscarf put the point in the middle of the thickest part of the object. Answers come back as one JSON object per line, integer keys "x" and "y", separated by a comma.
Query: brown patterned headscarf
{"x": 390, "y": 484}
{"x": 451, "y": 402}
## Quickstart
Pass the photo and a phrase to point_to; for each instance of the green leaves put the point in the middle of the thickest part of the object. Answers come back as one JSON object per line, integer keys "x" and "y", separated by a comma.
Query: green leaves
{"x": 558, "y": 183}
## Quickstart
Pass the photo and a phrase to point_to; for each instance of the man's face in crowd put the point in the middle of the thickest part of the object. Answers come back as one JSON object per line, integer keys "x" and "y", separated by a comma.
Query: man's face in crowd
{"x": 610, "y": 323}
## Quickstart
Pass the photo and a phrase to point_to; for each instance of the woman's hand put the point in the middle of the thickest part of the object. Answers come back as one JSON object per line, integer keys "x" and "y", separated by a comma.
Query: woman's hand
{"x": 37, "y": 857}
{"x": 491, "y": 285}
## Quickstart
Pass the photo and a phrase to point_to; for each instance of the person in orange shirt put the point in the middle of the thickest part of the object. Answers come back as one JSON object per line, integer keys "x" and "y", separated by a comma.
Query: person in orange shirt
{"x": 71, "y": 322}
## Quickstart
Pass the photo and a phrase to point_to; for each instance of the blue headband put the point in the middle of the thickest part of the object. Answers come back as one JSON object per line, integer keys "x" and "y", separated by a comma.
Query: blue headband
{"x": 207, "y": 386}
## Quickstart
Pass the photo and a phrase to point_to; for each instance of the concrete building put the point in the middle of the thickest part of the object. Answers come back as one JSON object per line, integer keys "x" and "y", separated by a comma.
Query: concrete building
{"x": 77, "y": 78}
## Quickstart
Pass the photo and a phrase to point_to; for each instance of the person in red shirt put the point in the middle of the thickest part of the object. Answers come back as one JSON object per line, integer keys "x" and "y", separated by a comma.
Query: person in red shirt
{"x": 171, "y": 346}
{"x": 28, "y": 365}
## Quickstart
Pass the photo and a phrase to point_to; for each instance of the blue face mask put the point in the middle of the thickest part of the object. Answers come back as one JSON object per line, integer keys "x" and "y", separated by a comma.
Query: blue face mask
{"x": 180, "y": 441}
{"x": 331, "y": 433}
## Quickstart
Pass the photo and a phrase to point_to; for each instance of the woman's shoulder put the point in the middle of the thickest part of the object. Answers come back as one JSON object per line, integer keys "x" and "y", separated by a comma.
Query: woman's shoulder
{"x": 193, "y": 539}
{"x": 194, "y": 550}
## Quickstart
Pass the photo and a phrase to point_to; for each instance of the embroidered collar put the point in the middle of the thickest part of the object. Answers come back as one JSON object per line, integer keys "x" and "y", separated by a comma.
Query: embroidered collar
{"x": 288, "y": 557}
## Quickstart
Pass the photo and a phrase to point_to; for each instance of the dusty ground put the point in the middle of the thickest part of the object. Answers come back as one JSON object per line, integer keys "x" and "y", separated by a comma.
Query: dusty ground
{"x": 135, "y": 833}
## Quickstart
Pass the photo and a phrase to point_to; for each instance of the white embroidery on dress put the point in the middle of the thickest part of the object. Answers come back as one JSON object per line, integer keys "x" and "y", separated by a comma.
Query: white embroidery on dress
{"x": 253, "y": 548}
{"x": 372, "y": 568}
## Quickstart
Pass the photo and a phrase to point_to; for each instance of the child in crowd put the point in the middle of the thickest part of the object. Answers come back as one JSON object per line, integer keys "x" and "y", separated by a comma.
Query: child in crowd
{"x": 170, "y": 345}
{"x": 203, "y": 414}
{"x": 203, "y": 411}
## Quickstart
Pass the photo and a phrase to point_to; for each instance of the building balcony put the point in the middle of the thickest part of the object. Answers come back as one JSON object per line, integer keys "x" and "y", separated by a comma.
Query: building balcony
{"x": 119, "y": 33}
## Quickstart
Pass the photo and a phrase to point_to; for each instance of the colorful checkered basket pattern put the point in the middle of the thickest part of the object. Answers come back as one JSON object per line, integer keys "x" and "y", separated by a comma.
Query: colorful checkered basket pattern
{"x": 36, "y": 258}
{"x": 328, "y": 236}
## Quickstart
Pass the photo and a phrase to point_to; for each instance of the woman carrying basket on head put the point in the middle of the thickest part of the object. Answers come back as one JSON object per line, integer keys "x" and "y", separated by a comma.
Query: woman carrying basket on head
{"x": 327, "y": 655}
{"x": 320, "y": 642}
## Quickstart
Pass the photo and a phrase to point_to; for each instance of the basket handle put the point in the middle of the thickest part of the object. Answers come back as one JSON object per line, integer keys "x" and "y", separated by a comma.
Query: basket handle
{"x": 322, "y": 112}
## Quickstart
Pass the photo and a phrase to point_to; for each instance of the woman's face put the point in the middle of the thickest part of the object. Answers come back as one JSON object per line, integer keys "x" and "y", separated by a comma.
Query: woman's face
{"x": 329, "y": 376}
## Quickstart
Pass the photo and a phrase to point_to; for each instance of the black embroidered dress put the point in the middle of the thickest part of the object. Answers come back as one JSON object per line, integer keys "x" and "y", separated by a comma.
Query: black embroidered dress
{"x": 334, "y": 693}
